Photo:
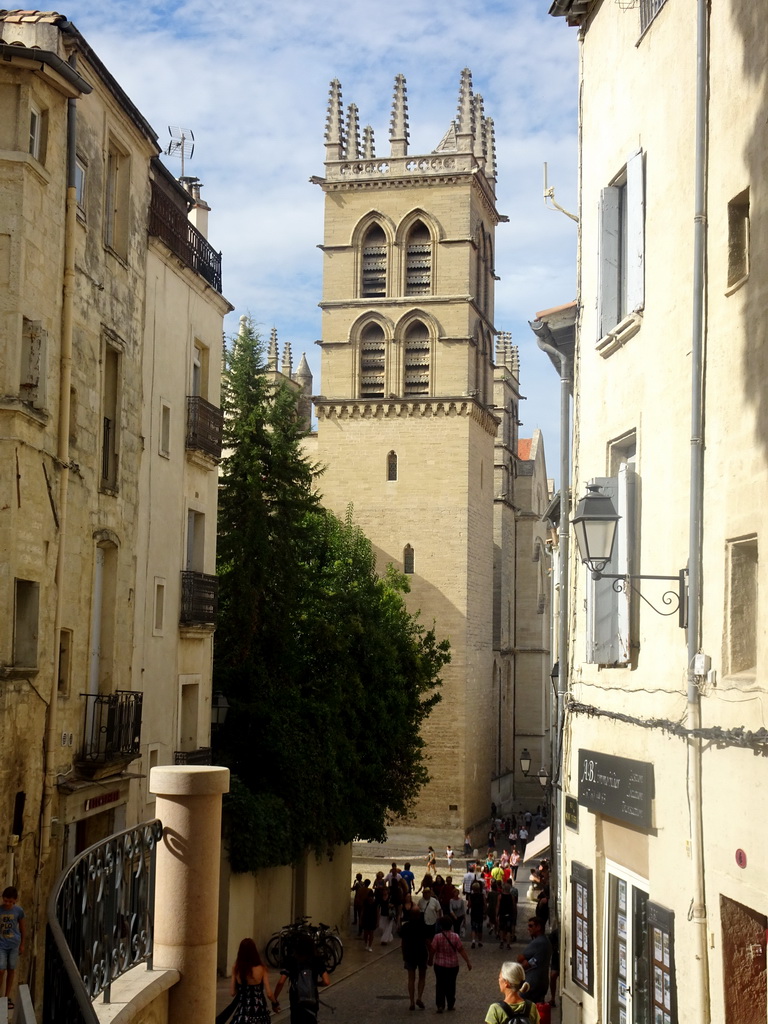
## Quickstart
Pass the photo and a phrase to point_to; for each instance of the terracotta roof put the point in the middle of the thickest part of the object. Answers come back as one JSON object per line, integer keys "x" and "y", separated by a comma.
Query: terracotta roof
{"x": 524, "y": 448}
{"x": 51, "y": 17}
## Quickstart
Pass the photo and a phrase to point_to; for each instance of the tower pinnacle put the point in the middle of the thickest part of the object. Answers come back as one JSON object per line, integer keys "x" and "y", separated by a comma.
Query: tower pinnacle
{"x": 353, "y": 133}
{"x": 465, "y": 122}
{"x": 398, "y": 124}
{"x": 334, "y": 128}
{"x": 369, "y": 145}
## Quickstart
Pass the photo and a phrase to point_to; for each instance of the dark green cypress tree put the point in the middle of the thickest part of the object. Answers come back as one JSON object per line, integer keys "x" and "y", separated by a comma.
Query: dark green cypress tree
{"x": 328, "y": 676}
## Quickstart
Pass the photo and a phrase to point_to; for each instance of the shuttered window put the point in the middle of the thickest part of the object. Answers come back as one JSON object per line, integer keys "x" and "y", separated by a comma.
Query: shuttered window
{"x": 608, "y": 612}
{"x": 374, "y": 264}
{"x": 418, "y": 261}
{"x": 372, "y": 362}
{"x": 417, "y": 351}
{"x": 621, "y": 257}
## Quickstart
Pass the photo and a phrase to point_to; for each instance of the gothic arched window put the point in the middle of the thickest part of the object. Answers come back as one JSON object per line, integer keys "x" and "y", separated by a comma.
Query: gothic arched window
{"x": 373, "y": 284}
{"x": 418, "y": 260}
{"x": 416, "y": 359}
{"x": 392, "y": 466}
{"x": 372, "y": 358}
{"x": 408, "y": 555}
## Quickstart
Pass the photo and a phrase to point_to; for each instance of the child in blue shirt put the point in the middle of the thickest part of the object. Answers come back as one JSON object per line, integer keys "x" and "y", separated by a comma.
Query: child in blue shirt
{"x": 12, "y": 929}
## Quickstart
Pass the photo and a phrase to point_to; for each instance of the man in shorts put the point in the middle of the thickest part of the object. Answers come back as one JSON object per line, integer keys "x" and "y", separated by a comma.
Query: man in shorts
{"x": 12, "y": 931}
{"x": 414, "y": 949}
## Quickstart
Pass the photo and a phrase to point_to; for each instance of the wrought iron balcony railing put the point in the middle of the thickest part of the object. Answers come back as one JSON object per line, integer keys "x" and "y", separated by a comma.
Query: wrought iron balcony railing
{"x": 169, "y": 223}
{"x": 200, "y": 756}
{"x": 100, "y": 923}
{"x": 112, "y": 729}
{"x": 204, "y": 426}
{"x": 199, "y": 599}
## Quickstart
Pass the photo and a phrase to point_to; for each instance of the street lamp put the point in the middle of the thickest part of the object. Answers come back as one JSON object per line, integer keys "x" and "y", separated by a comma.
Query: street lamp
{"x": 219, "y": 709}
{"x": 595, "y": 527}
{"x": 525, "y": 762}
{"x": 543, "y": 776}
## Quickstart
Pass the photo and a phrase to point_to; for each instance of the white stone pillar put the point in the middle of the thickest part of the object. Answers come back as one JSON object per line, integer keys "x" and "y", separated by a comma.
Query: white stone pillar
{"x": 187, "y": 884}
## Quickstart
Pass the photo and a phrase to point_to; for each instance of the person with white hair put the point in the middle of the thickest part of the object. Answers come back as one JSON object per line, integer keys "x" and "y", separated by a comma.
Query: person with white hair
{"x": 513, "y": 1008}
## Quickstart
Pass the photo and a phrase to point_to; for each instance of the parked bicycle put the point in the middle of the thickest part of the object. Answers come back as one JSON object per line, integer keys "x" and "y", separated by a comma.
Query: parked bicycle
{"x": 328, "y": 944}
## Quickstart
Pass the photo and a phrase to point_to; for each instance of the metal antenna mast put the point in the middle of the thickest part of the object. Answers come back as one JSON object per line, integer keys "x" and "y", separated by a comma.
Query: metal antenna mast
{"x": 182, "y": 144}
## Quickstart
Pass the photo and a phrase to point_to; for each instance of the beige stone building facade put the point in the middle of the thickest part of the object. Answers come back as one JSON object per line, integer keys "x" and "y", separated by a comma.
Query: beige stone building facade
{"x": 664, "y": 897}
{"x": 417, "y": 417}
{"x": 110, "y": 342}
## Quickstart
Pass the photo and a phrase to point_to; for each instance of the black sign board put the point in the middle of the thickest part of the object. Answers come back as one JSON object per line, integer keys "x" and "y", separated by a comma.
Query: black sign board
{"x": 572, "y": 813}
{"x": 616, "y": 786}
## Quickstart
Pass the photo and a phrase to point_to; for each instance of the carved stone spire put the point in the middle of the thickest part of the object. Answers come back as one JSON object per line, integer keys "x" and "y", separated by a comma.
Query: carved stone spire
{"x": 490, "y": 150}
{"x": 272, "y": 350}
{"x": 369, "y": 146}
{"x": 398, "y": 123}
{"x": 286, "y": 368}
{"x": 353, "y": 133}
{"x": 514, "y": 360}
{"x": 480, "y": 147}
{"x": 334, "y": 126}
{"x": 465, "y": 122}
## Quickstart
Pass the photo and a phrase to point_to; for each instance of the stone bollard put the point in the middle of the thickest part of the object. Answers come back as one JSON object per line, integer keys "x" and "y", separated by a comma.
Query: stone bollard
{"x": 187, "y": 884}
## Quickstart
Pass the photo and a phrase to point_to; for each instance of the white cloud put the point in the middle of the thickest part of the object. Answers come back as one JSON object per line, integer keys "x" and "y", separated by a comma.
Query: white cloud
{"x": 250, "y": 78}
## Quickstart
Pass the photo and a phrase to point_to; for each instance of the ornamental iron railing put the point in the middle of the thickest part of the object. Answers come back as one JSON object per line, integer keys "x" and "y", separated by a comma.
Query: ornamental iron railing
{"x": 112, "y": 727}
{"x": 100, "y": 923}
{"x": 204, "y": 426}
{"x": 199, "y": 599}
{"x": 170, "y": 224}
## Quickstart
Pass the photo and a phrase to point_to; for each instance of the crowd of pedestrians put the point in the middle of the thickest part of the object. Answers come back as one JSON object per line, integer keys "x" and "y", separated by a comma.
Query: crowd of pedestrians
{"x": 436, "y": 920}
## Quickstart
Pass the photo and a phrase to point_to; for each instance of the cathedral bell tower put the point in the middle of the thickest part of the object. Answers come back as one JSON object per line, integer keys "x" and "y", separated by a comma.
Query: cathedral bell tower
{"x": 406, "y": 422}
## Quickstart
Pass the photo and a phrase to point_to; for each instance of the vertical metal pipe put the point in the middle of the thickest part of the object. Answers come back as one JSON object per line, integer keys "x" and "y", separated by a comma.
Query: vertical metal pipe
{"x": 696, "y": 497}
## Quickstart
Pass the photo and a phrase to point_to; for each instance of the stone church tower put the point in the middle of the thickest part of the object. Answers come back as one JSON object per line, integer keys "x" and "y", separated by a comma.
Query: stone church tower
{"x": 406, "y": 419}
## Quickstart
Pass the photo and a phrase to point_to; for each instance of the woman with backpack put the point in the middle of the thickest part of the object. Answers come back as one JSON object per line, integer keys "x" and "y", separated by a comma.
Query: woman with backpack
{"x": 306, "y": 972}
{"x": 513, "y": 1008}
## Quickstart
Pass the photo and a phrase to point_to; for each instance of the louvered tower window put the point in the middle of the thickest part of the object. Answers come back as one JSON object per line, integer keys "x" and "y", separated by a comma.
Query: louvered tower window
{"x": 418, "y": 261}
{"x": 374, "y": 270}
{"x": 372, "y": 352}
{"x": 417, "y": 346}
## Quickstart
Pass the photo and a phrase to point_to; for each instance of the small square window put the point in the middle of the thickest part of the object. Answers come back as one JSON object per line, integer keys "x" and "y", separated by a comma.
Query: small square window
{"x": 35, "y": 131}
{"x": 159, "y": 616}
{"x": 164, "y": 446}
{"x": 738, "y": 239}
{"x": 26, "y": 623}
{"x": 80, "y": 177}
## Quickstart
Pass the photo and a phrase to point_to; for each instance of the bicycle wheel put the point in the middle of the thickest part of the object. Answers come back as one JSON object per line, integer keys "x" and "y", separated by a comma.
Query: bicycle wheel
{"x": 272, "y": 951}
{"x": 328, "y": 953}
{"x": 337, "y": 945}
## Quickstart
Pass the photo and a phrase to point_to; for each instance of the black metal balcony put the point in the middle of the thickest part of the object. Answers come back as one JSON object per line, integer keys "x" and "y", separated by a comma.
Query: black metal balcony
{"x": 199, "y": 599}
{"x": 204, "y": 426}
{"x": 100, "y": 923}
{"x": 112, "y": 732}
{"x": 200, "y": 756}
{"x": 169, "y": 223}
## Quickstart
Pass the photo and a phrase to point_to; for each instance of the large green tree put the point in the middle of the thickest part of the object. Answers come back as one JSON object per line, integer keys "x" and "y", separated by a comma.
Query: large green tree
{"x": 328, "y": 675}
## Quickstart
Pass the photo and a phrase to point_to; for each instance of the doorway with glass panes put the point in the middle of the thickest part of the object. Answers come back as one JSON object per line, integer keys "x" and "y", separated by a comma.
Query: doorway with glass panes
{"x": 627, "y": 974}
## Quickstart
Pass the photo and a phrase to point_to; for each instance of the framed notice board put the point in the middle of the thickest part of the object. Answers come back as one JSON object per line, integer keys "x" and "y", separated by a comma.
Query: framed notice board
{"x": 661, "y": 956}
{"x": 582, "y": 932}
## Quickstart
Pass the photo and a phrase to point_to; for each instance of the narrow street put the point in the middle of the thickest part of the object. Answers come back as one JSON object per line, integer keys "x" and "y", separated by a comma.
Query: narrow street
{"x": 371, "y": 988}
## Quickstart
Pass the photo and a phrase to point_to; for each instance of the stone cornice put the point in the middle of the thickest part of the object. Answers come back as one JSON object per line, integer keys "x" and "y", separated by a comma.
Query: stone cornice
{"x": 405, "y": 408}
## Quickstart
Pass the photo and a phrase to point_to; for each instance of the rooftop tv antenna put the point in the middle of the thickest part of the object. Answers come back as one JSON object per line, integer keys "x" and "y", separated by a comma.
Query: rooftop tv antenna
{"x": 182, "y": 144}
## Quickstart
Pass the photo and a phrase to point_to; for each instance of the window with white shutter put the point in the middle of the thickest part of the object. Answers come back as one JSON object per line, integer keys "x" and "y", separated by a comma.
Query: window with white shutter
{"x": 621, "y": 254}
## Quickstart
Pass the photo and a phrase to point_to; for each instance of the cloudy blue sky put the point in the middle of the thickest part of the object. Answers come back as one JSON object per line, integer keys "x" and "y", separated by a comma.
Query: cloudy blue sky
{"x": 250, "y": 78}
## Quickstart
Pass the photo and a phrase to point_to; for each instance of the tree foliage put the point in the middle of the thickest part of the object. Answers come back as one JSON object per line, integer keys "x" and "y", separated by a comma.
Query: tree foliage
{"x": 328, "y": 675}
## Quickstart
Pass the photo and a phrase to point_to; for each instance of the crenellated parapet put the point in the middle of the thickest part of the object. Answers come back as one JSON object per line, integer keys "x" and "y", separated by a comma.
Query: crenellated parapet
{"x": 467, "y": 147}
{"x": 399, "y": 408}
